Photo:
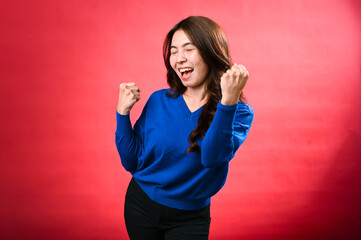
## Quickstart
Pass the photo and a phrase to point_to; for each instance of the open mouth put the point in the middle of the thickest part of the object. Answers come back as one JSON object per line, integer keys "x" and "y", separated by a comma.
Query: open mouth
{"x": 186, "y": 72}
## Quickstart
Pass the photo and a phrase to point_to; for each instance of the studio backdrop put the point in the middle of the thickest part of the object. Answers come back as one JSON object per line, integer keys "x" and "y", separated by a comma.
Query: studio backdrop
{"x": 298, "y": 174}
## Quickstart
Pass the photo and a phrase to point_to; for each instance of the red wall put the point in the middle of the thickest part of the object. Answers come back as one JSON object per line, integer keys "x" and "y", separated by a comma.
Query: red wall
{"x": 296, "y": 177}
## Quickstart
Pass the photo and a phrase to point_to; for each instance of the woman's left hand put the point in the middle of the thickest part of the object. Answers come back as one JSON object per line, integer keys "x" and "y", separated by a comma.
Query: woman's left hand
{"x": 232, "y": 83}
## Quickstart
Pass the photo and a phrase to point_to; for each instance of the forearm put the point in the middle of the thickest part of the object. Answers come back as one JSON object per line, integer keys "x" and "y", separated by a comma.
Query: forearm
{"x": 218, "y": 145}
{"x": 127, "y": 142}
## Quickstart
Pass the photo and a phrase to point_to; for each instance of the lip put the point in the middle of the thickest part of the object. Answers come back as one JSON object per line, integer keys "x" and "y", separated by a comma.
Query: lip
{"x": 188, "y": 75}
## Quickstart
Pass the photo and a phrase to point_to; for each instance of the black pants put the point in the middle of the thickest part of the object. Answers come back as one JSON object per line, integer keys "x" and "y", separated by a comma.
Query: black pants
{"x": 148, "y": 220}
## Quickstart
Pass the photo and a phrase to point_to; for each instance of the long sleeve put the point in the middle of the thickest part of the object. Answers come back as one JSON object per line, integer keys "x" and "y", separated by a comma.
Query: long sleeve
{"x": 155, "y": 150}
{"x": 227, "y": 132}
{"x": 129, "y": 141}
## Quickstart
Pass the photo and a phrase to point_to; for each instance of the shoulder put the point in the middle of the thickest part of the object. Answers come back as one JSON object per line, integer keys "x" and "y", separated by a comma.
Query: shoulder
{"x": 159, "y": 94}
{"x": 157, "y": 97}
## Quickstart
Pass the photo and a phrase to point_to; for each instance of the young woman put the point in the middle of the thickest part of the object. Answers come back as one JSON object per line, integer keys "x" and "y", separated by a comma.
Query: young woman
{"x": 180, "y": 148}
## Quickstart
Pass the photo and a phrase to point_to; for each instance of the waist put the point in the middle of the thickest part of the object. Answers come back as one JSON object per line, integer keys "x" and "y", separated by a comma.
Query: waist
{"x": 179, "y": 197}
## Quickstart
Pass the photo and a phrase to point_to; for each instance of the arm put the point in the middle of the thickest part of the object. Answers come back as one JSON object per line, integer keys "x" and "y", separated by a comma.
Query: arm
{"x": 128, "y": 142}
{"x": 227, "y": 132}
{"x": 231, "y": 121}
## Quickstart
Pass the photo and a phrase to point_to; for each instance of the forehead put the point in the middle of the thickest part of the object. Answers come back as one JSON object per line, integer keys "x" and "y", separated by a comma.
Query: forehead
{"x": 180, "y": 38}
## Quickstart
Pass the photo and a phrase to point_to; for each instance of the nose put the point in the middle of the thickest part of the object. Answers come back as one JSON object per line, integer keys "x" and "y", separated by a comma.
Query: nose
{"x": 181, "y": 57}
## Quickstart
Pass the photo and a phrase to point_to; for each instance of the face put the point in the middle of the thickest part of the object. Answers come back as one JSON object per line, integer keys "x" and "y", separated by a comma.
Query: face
{"x": 187, "y": 62}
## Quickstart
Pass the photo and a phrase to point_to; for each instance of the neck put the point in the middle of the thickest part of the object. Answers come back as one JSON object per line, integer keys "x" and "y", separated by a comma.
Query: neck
{"x": 194, "y": 98}
{"x": 196, "y": 94}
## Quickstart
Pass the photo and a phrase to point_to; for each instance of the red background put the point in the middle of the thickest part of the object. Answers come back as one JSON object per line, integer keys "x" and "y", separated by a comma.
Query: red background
{"x": 296, "y": 177}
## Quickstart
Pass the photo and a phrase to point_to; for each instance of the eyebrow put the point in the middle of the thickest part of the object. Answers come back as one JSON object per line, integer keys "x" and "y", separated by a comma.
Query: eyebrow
{"x": 184, "y": 45}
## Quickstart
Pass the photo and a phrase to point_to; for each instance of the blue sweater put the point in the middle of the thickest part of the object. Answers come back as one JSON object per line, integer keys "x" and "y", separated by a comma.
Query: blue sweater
{"x": 155, "y": 151}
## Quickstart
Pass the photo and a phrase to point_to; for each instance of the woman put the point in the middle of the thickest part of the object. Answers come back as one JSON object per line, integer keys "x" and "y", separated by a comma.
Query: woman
{"x": 180, "y": 147}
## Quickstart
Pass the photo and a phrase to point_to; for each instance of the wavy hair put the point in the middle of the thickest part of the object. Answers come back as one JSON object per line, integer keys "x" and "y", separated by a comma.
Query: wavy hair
{"x": 212, "y": 45}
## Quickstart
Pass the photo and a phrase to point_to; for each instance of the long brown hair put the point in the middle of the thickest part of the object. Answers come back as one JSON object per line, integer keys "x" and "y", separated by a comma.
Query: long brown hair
{"x": 212, "y": 44}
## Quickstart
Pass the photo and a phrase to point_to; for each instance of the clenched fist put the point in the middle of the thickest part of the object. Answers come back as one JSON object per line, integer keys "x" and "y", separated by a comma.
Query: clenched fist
{"x": 129, "y": 94}
{"x": 232, "y": 83}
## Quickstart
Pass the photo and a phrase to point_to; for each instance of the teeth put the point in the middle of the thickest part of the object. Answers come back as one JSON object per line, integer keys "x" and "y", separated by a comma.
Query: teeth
{"x": 185, "y": 69}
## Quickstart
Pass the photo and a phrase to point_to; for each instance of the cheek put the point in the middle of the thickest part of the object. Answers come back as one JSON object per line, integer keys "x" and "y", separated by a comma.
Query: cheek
{"x": 203, "y": 68}
{"x": 172, "y": 62}
{"x": 200, "y": 63}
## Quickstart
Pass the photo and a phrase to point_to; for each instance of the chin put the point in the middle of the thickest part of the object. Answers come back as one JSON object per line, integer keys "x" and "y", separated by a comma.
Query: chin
{"x": 187, "y": 84}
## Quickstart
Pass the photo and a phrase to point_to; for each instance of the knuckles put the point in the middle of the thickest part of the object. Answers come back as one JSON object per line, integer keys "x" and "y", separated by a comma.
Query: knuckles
{"x": 234, "y": 79}
{"x": 122, "y": 86}
{"x": 230, "y": 72}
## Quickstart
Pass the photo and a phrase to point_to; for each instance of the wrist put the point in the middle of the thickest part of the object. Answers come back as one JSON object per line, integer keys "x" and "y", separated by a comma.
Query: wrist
{"x": 122, "y": 111}
{"x": 226, "y": 101}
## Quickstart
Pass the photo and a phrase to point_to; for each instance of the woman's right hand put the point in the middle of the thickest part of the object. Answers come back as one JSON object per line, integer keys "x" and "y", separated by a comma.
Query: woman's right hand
{"x": 129, "y": 94}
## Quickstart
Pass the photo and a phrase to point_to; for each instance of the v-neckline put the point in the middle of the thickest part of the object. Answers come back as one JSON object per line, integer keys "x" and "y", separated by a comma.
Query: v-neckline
{"x": 186, "y": 109}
